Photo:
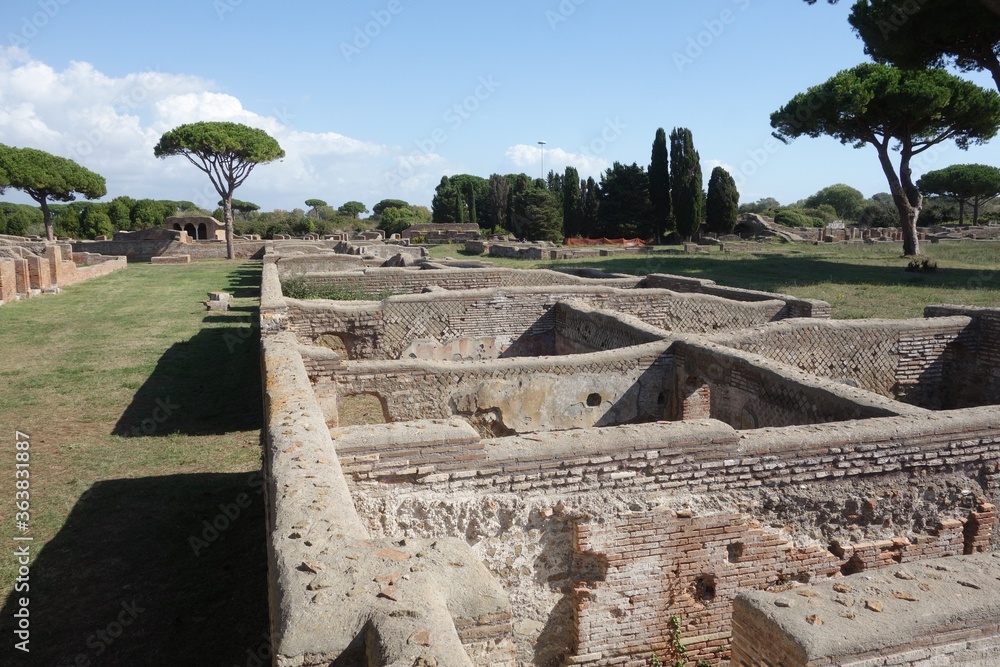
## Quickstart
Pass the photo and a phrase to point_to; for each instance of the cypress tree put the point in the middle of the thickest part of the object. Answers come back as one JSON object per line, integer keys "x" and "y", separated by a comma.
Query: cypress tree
{"x": 473, "y": 216}
{"x": 572, "y": 206}
{"x": 588, "y": 227}
{"x": 659, "y": 185}
{"x": 459, "y": 207}
{"x": 723, "y": 203}
{"x": 687, "y": 197}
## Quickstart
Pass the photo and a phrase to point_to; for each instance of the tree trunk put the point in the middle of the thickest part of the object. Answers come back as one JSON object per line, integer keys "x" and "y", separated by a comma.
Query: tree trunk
{"x": 961, "y": 212}
{"x": 50, "y": 232}
{"x": 227, "y": 203}
{"x": 905, "y": 195}
{"x": 975, "y": 211}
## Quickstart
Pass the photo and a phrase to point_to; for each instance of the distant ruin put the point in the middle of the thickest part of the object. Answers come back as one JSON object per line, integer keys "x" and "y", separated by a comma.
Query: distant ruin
{"x": 564, "y": 462}
{"x": 29, "y": 267}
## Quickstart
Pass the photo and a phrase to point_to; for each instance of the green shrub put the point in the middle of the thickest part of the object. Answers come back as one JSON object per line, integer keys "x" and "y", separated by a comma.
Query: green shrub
{"x": 790, "y": 217}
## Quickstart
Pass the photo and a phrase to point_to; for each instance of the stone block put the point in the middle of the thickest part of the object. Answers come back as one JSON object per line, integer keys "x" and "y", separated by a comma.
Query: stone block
{"x": 171, "y": 259}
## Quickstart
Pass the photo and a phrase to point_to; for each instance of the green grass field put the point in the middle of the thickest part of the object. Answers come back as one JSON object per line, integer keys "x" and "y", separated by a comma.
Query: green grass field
{"x": 143, "y": 411}
{"x": 857, "y": 280}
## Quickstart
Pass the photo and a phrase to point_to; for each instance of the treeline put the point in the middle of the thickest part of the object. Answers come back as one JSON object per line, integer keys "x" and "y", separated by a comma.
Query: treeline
{"x": 87, "y": 220}
{"x": 842, "y": 203}
{"x": 629, "y": 200}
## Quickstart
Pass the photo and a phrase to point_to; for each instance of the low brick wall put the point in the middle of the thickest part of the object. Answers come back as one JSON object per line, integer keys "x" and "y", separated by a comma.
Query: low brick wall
{"x": 796, "y": 307}
{"x": 145, "y": 250}
{"x": 171, "y": 259}
{"x": 8, "y": 280}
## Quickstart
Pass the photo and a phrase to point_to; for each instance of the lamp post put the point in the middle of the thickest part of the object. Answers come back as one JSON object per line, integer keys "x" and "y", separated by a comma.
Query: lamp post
{"x": 541, "y": 145}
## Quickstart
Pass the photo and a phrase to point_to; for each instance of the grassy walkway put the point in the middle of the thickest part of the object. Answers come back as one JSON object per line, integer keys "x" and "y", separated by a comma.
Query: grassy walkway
{"x": 143, "y": 412}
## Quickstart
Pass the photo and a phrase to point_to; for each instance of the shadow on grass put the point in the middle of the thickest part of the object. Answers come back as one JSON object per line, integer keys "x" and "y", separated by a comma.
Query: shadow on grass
{"x": 244, "y": 282}
{"x": 208, "y": 385}
{"x": 771, "y": 272}
{"x": 151, "y": 571}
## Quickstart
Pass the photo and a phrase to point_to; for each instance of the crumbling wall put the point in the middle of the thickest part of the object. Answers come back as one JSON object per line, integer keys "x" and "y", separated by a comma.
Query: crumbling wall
{"x": 510, "y": 395}
{"x": 796, "y": 307}
{"x": 972, "y": 366}
{"x": 409, "y": 281}
{"x": 339, "y": 596}
{"x": 602, "y": 535}
{"x": 902, "y": 359}
{"x": 517, "y": 321}
{"x": 748, "y": 391}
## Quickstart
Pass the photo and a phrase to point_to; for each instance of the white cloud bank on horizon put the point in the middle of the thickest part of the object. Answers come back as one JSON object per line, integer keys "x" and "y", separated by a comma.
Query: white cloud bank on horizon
{"x": 110, "y": 125}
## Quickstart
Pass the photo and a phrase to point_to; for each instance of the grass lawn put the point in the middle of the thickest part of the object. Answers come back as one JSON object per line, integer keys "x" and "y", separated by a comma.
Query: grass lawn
{"x": 143, "y": 411}
{"x": 857, "y": 280}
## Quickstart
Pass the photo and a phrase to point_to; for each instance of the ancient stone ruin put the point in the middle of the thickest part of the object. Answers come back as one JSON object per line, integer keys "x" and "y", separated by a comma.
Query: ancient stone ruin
{"x": 29, "y": 267}
{"x": 506, "y": 467}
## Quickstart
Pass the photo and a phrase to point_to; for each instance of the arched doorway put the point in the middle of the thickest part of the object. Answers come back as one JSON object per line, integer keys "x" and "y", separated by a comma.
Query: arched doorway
{"x": 191, "y": 231}
{"x": 202, "y": 231}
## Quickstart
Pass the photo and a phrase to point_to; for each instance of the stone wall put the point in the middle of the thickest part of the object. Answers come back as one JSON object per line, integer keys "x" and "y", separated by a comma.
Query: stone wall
{"x": 938, "y": 612}
{"x": 25, "y": 273}
{"x": 582, "y": 544}
{"x": 337, "y": 595}
{"x": 796, "y": 307}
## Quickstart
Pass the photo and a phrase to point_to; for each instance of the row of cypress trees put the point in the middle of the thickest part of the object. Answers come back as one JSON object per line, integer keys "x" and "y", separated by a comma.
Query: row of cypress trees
{"x": 629, "y": 201}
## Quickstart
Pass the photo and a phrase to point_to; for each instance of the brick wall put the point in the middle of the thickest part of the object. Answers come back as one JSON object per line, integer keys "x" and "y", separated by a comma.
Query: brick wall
{"x": 8, "y": 280}
{"x": 143, "y": 251}
{"x": 972, "y": 368}
{"x": 633, "y": 569}
{"x": 747, "y": 391}
{"x": 795, "y": 307}
{"x": 521, "y": 320}
{"x": 580, "y": 329}
{"x": 510, "y": 395}
{"x": 906, "y": 360}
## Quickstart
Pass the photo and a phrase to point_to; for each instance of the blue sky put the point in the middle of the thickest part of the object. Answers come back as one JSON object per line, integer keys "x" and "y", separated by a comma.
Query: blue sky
{"x": 379, "y": 99}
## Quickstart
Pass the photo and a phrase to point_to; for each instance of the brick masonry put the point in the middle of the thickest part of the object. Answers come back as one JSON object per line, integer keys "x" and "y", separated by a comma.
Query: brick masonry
{"x": 600, "y": 535}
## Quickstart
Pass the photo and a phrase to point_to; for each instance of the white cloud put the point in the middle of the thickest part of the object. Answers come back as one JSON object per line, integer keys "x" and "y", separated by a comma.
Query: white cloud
{"x": 529, "y": 158}
{"x": 111, "y": 124}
